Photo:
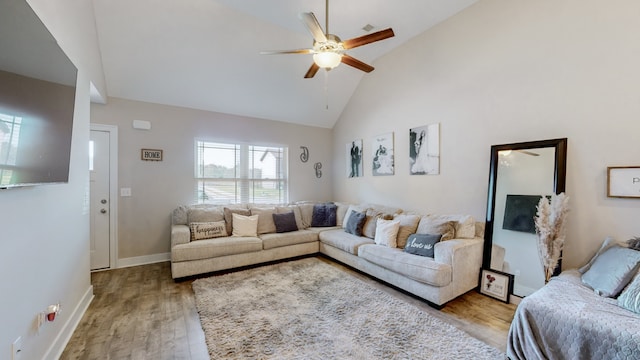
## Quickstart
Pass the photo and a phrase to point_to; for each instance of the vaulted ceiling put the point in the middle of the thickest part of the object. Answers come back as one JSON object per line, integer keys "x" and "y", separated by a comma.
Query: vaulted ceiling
{"x": 205, "y": 54}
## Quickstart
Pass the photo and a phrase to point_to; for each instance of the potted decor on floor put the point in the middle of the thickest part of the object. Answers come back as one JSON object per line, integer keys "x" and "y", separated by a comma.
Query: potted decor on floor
{"x": 550, "y": 228}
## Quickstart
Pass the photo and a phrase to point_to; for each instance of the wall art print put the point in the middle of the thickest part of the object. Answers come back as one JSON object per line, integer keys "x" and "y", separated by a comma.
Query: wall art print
{"x": 424, "y": 150}
{"x": 354, "y": 159}
{"x": 382, "y": 155}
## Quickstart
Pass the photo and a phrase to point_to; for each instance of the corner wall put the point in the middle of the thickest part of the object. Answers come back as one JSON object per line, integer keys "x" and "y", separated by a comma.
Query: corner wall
{"x": 501, "y": 72}
{"x": 159, "y": 187}
{"x": 44, "y": 230}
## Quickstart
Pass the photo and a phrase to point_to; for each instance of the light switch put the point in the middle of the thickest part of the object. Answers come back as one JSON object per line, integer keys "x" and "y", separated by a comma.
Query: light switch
{"x": 125, "y": 192}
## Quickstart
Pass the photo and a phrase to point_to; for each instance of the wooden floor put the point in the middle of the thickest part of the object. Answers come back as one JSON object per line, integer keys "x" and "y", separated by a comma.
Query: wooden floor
{"x": 141, "y": 313}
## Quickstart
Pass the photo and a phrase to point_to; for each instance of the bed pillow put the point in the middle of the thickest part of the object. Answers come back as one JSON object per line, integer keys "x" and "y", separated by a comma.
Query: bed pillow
{"x": 606, "y": 244}
{"x": 422, "y": 244}
{"x": 245, "y": 225}
{"x": 630, "y": 297}
{"x": 207, "y": 230}
{"x": 355, "y": 223}
{"x": 285, "y": 222}
{"x": 386, "y": 232}
{"x": 324, "y": 215}
{"x": 612, "y": 270}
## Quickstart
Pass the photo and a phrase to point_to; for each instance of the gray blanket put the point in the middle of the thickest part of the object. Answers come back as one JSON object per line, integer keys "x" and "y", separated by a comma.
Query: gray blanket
{"x": 567, "y": 320}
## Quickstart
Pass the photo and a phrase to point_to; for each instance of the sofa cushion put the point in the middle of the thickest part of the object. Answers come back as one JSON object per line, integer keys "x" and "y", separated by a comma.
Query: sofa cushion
{"x": 270, "y": 241}
{"x": 207, "y": 230}
{"x": 344, "y": 241}
{"x": 285, "y": 222}
{"x": 408, "y": 226}
{"x": 341, "y": 212}
{"x": 386, "y": 232}
{"x": 355, "y": 223}
{"x": 265, "y": 219}
{"x": 324, "y": 215}
{"x": 421, "y": 244}
{"x": 306, "y": 212}
{"x": 437, "y": 226}
{"x": 206, "y": 213}
{"x": 419, "y": 268}
{"x": 212, "y": 248}
{"x": 245, "y": 225}
{"x": 228, "y": 216}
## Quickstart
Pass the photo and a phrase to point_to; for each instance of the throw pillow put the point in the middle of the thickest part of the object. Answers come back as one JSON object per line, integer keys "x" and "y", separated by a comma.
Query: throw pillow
{"x": 285, "y": 222}
{"x": 356, "y": 208}
{"x": 245, "y": 225}
{"x": 370, "y": 223}
{"x": 433, "y": 226}
{"x": 422, "y": 244}
{"x": 324, "y": 215}
{"x": 355, "y": 223}
{"x": 265, "y": 219}
{"x": 630, "y": 297}
{"x": 306, "y": 212}
{"x": 634, "y": 243}
{"x": 386, "y": 232}
{"x": 408, "y": 226}
{"x": 228, "y": 218}
{"x": 606, "y": 244}
{"x": 295, "y": 209}
{"x": 207, "y": 230}
{"x": 612, "y": 271}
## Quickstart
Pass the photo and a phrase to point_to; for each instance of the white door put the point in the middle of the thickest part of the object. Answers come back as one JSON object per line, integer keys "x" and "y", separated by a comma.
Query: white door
{"x": 100, "y": 206}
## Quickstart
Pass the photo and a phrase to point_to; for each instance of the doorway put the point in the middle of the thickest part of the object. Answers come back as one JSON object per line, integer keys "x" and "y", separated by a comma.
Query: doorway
{"x": 103, "y": 157}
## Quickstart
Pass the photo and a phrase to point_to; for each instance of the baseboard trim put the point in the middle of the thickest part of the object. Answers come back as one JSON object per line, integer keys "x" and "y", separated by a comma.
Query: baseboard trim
{"x": 61, "y": 341}
{"x": 143, "y": 260}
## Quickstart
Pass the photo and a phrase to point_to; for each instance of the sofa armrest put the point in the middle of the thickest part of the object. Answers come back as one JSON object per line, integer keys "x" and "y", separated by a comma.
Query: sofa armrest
{"x": 180, "y": 234}
{"x": 465, "y": 258}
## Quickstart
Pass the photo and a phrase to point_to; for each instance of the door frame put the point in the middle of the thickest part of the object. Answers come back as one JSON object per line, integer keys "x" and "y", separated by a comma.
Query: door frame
{"x": 113, "y": 191}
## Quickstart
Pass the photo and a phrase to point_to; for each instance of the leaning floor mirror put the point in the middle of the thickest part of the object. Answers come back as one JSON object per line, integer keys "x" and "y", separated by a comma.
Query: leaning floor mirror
{"x": 520, "y": 174}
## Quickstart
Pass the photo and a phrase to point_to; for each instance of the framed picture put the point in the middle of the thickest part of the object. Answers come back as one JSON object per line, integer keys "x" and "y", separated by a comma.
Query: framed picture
{"x": 382, "y": 155}
{"x": 424, "y": 150}
{"x": 354, "y": 159}
{"x": 623, "y": 181}
{"x": 151, "y": 154}
{"x": 496, "y": 284}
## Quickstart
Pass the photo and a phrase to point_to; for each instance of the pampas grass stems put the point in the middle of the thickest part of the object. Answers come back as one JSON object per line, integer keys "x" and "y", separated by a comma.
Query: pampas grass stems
{"x": 550, "y": 227}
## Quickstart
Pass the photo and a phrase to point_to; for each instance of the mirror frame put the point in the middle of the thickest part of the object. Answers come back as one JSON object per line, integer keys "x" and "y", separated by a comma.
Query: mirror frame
{"x": 559, "y": 183}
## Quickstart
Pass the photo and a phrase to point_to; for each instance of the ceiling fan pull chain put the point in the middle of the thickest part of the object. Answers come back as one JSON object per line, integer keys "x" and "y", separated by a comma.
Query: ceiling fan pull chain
{"x": 326, "y": 89}
{"x": 326, "y": 17}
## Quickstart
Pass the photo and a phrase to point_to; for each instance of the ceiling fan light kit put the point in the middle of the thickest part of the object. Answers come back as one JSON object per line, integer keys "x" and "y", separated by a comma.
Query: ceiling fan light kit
{"x": 328, "y": 50}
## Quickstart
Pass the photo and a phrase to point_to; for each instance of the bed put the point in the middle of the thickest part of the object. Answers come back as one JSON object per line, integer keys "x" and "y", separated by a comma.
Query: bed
{"x": 567, "y": 320}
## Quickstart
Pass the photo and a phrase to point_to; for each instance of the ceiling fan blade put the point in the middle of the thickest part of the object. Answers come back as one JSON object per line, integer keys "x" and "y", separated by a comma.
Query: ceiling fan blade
{"x": 312, "y": 71}
{"x": 367, "y": 39}
{"x": 276, "y": 52}
{"x": 313, "y": 25}
{"x": 351, "y": 61}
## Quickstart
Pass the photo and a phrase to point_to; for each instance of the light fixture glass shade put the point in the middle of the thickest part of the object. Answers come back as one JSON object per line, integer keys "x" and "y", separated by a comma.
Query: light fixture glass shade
{"x": 327, "y": 59}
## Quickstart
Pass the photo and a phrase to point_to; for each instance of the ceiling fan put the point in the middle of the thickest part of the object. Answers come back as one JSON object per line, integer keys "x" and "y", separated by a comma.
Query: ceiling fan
{"x": 328, "y": 50}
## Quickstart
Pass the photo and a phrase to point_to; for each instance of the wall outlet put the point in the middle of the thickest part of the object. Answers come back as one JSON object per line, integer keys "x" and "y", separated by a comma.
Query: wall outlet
{"x": 16, "y": 349}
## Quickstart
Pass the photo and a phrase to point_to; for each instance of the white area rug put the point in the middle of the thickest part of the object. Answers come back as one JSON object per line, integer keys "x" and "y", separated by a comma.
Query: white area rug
{"x": 308, "y": 309}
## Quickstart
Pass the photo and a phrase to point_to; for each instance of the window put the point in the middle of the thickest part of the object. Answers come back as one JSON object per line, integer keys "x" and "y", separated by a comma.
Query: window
{"x": 240, "y": 173}
{"x": 9, "y": 137}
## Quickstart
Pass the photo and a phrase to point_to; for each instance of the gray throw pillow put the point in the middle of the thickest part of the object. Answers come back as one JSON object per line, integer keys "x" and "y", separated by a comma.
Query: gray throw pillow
{"x": 285, "y": 222}
{"x": 324, "y": 215}
{"x": 421, "y": 244}
{"x": 355, "y": 223}
{"x": 630, "y": 297}
{"x": 612, "y": 270}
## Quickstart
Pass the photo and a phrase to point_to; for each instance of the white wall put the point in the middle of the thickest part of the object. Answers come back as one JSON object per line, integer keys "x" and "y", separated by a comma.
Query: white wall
{"x": 507, "y": 71}
{"x": 158, "y": 187}
{"x": 45, "y": 229}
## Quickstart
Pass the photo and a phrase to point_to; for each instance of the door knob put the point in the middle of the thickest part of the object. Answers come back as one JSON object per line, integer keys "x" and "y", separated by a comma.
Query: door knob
{"x": 103, "y": 201}
{"x": 103, "y": 211}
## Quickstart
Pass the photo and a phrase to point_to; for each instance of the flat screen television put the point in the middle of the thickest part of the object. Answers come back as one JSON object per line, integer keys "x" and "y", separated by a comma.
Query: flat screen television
{"x": 37, "y": 99}
{"x": 519, "y": 211}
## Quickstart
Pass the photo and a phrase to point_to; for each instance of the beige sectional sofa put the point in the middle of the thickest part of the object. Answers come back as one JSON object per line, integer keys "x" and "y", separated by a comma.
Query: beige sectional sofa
{"x": 452, "y": 271}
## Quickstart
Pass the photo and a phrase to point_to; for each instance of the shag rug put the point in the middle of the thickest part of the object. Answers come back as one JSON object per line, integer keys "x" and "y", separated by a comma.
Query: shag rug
{"x": 308, "y": 309}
